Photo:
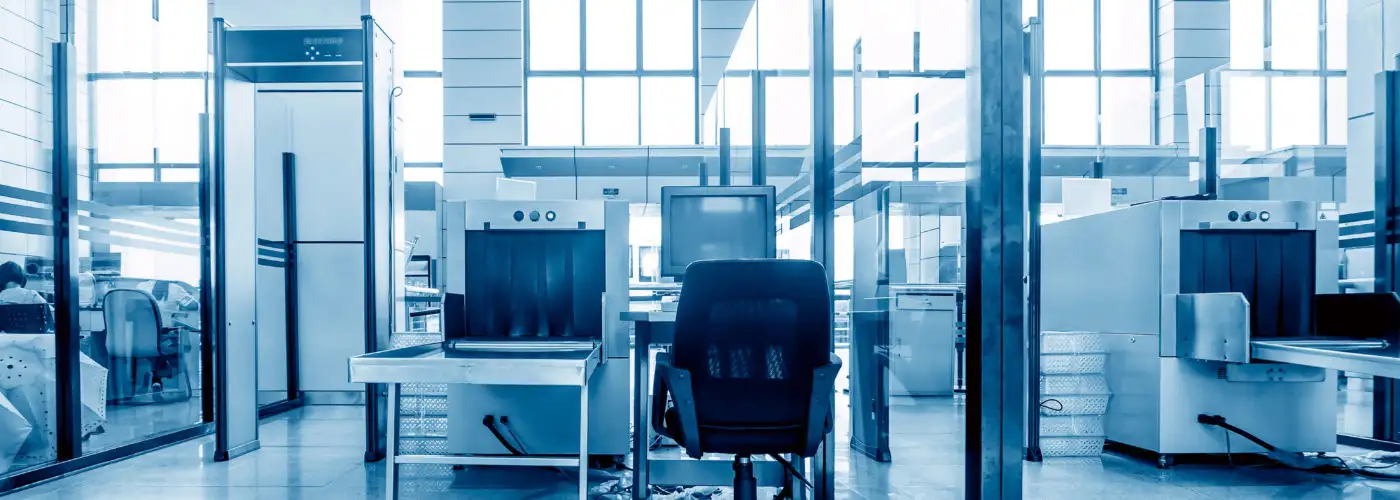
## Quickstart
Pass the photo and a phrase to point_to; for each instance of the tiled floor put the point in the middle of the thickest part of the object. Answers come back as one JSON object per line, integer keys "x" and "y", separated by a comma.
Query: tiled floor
{"x": 316, "y": 453}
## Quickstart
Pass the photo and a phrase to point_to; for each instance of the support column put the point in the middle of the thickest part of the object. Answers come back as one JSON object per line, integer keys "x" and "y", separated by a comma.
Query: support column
{"x": 996, "y": 252}
{"x": 483, "y": 74}
{"x": 824, "y": 198}
{"x": 1193, "y": 37}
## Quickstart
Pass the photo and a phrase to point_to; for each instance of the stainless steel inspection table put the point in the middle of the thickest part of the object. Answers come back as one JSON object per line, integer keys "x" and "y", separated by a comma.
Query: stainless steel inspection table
{"x": 1371, "y": 357}
{"x": 538, "y": 363}
{"x": 658, "y": 328}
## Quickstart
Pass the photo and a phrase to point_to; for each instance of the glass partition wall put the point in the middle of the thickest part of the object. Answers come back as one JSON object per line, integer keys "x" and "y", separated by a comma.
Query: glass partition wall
{"x": 100, "y": 247}
{"x": 29, "y": 349}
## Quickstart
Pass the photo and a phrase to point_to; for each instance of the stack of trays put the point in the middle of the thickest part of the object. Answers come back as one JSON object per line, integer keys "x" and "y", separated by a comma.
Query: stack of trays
{"x": 1074, "y": 394}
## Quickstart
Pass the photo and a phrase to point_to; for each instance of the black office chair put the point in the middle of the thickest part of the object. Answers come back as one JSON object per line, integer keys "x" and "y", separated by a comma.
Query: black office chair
{"x": 751, "y": 371}
{"x": 152, "y": 353}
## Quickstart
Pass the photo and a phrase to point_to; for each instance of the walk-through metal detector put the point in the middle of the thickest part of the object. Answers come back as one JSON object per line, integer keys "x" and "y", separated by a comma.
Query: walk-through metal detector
{"x": 330, "y": 252}
{"x": 1035, "y": 138}
{"x": 877, "y": 273}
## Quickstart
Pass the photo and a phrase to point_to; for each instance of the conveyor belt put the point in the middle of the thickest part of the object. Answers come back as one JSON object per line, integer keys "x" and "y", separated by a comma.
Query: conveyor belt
{"x": 1372, "y": 357}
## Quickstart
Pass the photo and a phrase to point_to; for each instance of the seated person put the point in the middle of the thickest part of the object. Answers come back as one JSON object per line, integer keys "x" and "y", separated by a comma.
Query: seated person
{"x": 12, "y": 290}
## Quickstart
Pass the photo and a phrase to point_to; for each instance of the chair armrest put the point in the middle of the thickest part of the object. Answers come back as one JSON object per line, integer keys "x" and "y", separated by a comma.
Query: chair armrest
{"x": 676, "y": 381}
{"x": 819, "y": 418}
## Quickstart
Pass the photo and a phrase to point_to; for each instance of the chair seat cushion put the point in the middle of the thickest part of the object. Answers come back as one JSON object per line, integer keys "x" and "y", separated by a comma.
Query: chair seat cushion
{"x": 748, "y": 441}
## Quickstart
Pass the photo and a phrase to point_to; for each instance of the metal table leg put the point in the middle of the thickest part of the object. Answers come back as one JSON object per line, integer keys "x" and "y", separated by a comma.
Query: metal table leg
{"x": 391, "y": 453}
{"x": 641, "y": 388}
{"x": 583, "y": 441}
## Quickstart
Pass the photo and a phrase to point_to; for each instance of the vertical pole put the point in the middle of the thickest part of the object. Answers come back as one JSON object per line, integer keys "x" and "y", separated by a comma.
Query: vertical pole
{"x": 641, "y": 394}
{"x": 1387, "y": 253}
{"x": 1208, "y": 185}
{"x": 704, "y": 174}
{"x": 65, "y": 241}
{"x": 583, "y": 437}
{"x": 374, "y": 444}
{"x": 213, "y": 209}
{"x": 759, "y": 161}
{"x": 289, "y": 236}
{"x": 1035, "y": 135}
{"x": 1098, "y": 169}
{"x": 995, "y": 235}
{"x": 824, "y": 199}
{"x": 391, "y": 464}
{"x": 725, "y": 151}
{"x": 206, "y": 268}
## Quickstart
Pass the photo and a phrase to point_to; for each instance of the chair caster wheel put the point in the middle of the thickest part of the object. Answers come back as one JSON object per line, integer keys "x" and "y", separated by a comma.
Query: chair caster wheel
{"x": 1165, "y": 461}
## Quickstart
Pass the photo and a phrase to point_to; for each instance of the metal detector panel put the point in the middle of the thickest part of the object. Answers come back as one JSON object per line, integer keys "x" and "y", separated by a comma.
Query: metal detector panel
{"x": 236, "y": 264}
{"x": 870, "y": 328}
{"x": 298, "y": 55}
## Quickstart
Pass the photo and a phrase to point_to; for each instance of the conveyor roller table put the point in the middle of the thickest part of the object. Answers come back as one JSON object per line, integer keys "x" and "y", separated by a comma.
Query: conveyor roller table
{"x": 535, "y": 363}
{"x": 1372, "y": 357}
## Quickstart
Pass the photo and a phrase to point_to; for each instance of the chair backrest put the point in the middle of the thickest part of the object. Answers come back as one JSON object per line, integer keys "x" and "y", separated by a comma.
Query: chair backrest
{"x": 133, "y": 323}
{"x": 750, "y": 332}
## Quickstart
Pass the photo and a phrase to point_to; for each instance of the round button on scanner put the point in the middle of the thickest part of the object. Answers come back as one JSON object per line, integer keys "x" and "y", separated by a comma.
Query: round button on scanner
{"x": 519, "y": 216}
{"x": 1249, "y": 216}
{"x": 1233, "y": 216}
{"x": 549, "y": 216}
{"x": 1264, "y": 216}
{"x": 534, "y": 216}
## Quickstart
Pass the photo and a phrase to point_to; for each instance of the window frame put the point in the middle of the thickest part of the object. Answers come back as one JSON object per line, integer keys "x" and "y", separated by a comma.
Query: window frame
{"x": 1099, "y": 73}
{"x": 1325, "y": 73}
{"x": 640, "y": 72}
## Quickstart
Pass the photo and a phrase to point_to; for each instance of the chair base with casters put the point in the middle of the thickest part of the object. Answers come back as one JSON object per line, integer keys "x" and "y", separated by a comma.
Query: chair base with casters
{"x": 751, "y": 371}
{"x": 679, "y": 422}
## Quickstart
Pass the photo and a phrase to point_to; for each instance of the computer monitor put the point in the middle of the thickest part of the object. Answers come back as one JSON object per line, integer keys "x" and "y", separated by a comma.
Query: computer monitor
{"x": 716, "y": 222}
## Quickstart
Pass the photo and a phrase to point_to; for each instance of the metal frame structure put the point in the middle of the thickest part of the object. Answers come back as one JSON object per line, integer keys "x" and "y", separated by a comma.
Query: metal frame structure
{"x": 1035, "y": 57}
{"x": 996, "y": 216}
{"x": 639, "y": 72}
{"x": 294, "y": 398}
{"x": 1386, "y": 409}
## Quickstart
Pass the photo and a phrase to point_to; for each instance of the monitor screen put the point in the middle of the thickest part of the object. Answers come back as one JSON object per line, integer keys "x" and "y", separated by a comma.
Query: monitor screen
{"x": 716, "y": 223}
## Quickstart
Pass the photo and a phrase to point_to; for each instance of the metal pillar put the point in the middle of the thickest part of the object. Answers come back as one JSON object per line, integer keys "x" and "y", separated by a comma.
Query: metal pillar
{"x": 65, "y": 245}
{"x": 1098, "y": 169}
{"x": 824, "y": 199}
{"x": 759, "y": 162}
{"x": 1035, "y": 33}
{"x": 1385, "y": 425}
{"x": 725, "y": 153}
{"x": 996, "y": 252}
{"x": 1208, "y": 184}
{"x": 375, "y": 396}
{"x": 704, "y": 174}
{"x": 289, "y": 237}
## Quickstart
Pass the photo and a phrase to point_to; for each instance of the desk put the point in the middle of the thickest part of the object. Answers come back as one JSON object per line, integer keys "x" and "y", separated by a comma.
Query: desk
{"x": 490, "y": 363}
{"x": 659, "y": 328}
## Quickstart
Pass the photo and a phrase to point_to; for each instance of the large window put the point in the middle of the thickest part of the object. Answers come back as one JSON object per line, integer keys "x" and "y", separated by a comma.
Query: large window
{"x": 1287, "y": 83}
{"x": 147, "y": 89}
{"x": 610, "y": 72}
{"x": 419, "y": 51}
{"x": 1099, "y": 72}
